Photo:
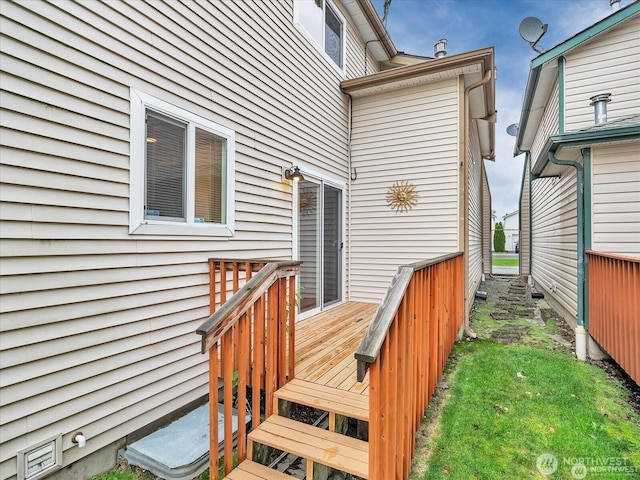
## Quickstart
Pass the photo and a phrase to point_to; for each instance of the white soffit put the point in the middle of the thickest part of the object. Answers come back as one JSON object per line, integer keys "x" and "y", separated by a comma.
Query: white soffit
{"x": 418, "y": 80}
{"x": 366, "y": 32}
{"x": 546, "y": 81}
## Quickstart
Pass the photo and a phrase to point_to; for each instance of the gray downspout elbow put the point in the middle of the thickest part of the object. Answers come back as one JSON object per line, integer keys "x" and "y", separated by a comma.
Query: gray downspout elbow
{"x": 581, "y": 344}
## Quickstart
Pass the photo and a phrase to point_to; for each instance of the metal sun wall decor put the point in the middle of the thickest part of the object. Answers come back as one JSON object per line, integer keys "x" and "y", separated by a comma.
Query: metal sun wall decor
{"x": 402, "y": 196}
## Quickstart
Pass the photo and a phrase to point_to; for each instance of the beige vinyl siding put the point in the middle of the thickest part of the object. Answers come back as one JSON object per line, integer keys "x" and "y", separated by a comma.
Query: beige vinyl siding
{"x": 354, "y": 54}
{"x": 615, "y": 197}
{"x": 406, "y": 135}
{"x": 554, "y": 228}
{"x": 98, "y": 325}
{"x": 474, "y": 185}
{"x": 548, "y": 124}
{"x": 486, "y": 222}
{"x": 525, "y": 221}
{"x": 608, "y": 64}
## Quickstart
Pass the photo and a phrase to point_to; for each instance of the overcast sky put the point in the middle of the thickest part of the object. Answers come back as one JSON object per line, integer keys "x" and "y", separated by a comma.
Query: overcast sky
{"x": 416, "y": 25}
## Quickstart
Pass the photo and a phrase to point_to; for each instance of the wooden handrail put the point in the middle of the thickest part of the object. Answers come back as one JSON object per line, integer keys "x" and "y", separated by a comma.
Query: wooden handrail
{"x": 250, "y": 340}
{"x": 370, "y": 345}
{"x": 221, "y": 320}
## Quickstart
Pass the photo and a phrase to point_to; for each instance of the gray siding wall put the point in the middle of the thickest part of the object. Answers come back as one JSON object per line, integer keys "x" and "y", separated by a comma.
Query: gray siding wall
{"x": 474, "y": 186}
{"x": 615, "y": 199}
{"x": 98, "y": 325}
{"x": 486, "y": 223}
{"x": 406, "y": 135}
{"x": 609, "y": 63}
{"x": 554, "y": 227}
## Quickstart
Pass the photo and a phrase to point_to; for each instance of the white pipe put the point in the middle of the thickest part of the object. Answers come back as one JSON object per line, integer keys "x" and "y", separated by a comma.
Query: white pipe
{"x": 581, "y": 343}
{"x": 79, "y": 439}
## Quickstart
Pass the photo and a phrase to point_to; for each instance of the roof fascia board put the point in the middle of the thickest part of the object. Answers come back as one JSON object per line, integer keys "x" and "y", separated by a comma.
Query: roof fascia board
{"x": 532, "y": 83}
{"x": 423, "y": 68}
{"x": 370, "y": 13}
{"x": 596, "y": 136}
{"x": 590, "y": 32}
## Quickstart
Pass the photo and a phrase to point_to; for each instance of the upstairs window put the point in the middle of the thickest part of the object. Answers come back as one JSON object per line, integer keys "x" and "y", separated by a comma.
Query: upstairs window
{"x": 181, "y": 171}
{"x": 320, "y": 21}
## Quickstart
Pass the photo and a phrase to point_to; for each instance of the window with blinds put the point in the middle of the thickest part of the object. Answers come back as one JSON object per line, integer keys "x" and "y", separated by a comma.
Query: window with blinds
{"x": 166, "y": 164}
{"x": 181, "y": 166}
{"x": 209, "y": 201}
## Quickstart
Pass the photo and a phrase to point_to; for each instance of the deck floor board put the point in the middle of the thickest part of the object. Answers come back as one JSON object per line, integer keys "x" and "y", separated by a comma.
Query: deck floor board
{"x": 325, "y": 344}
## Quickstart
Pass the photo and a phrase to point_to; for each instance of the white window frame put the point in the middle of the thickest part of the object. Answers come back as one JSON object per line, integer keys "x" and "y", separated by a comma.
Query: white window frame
{"x": 296, "y": 21}
{"x": 138, "y": 224}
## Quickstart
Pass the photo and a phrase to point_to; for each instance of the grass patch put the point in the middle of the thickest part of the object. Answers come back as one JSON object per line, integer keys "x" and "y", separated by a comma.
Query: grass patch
{"x": 496, "y": 423}
{"x": 505, "y": 262}
{"x": 115, "y": 475}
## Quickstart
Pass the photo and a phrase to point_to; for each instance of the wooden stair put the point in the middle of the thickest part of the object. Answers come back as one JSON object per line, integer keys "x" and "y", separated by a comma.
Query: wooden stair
{"x": 249, "y": 470}
{"x": 314, "y": 444}
{"x": 331, "y": 400}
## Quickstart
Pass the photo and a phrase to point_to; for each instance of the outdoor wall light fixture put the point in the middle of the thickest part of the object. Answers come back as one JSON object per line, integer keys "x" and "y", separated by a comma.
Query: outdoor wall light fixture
{"x": 293, "y": 174}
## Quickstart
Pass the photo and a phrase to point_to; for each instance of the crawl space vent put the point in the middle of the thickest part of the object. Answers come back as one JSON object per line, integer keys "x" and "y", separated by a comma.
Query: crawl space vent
{"x": 40, "y": 459}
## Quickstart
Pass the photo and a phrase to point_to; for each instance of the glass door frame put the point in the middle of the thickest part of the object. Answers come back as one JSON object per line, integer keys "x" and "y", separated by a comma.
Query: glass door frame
{"x": 321, "y": 180}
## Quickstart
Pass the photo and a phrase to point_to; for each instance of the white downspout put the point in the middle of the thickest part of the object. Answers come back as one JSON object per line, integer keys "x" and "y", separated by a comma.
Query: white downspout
{"x": 465, "y": 181}
{"x": 349, "y": 173}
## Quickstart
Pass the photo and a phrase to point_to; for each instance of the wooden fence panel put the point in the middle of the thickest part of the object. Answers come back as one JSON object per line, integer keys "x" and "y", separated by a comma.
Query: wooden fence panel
{"x": 614, "y": 308}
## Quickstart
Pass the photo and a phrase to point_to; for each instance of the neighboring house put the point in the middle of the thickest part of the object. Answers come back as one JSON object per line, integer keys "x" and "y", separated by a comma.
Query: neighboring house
{"x": 581, "y": 180}
{"x": 511, "y": 227}
{"x": 141, "y": 139}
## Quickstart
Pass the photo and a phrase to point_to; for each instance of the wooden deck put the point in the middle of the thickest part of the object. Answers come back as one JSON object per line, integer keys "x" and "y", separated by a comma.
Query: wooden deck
{"x": 325, "y": 344}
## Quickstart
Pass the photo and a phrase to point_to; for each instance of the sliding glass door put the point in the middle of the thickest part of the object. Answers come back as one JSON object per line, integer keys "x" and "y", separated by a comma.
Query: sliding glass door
{"x": 319, "y": 236}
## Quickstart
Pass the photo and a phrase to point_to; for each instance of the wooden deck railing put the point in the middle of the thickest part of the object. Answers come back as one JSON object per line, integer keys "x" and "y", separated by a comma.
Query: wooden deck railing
{"x": 614, "y": 307}
{"x": 405, "y": 350}
{"x": 250, "y": 341}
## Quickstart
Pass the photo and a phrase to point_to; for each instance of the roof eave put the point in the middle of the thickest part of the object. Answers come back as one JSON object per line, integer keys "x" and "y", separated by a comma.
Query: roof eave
{"x": 484, "y": 55}
{"x": 583, "y": 139}
{"x": 539, "y": 63}
{"x": 381, "y": 33}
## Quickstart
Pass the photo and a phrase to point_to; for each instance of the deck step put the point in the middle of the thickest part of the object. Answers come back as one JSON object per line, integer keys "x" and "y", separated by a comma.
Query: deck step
{"x": 313, "y": 444}
{"x": 332, "y": 400}
{"x": 249, "y": 470}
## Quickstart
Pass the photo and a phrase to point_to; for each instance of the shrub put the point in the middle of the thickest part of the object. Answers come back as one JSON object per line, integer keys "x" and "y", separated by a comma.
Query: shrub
{"x": 499, "y": 239}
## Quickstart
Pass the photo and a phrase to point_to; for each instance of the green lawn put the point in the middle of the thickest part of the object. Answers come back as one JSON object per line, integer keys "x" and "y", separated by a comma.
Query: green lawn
{"x": 505, "y": 262}
{"x": 507, "y": 405}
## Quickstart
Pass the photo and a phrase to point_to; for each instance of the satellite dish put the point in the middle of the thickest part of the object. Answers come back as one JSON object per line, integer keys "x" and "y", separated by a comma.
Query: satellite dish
{"x": 532, "y": 30}
{"x": 512, "y": 129}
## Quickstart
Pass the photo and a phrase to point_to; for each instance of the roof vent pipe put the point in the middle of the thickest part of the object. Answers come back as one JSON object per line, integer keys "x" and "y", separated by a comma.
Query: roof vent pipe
{"x": 599, "y": 104}
{"x": 615, "y": 5}
{"x": 440, "y": 48}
